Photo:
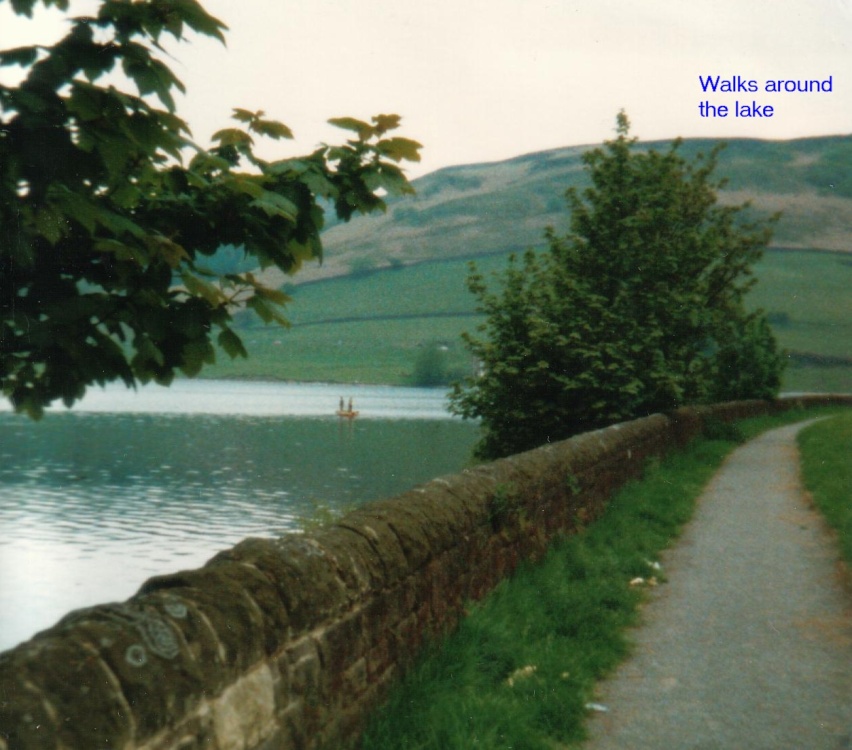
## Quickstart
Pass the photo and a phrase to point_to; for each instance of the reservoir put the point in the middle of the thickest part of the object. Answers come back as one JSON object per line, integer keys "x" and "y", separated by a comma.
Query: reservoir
{"x": 127, "y": 485}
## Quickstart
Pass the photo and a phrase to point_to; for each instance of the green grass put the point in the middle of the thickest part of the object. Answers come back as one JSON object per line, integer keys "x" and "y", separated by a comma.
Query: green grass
{"x": 811, "y": 379}
{"x": 554, "y": 629}
{"x": 369, "y": 351}
{"x": 826, "y": 448}
{"x": 807, "y": 295}
{"x": 390, "y": 315}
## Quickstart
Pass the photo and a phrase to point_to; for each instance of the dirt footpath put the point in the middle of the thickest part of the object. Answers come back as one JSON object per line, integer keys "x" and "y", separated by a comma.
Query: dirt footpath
{"x": 749, "y": 644}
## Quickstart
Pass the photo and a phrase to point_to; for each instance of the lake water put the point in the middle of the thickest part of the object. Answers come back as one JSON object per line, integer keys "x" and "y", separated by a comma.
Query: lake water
{"x": 132, "y": 484}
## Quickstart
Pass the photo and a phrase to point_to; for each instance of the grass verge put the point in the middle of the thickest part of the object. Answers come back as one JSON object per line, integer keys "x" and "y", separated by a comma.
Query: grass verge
{"x": 827, "y": 473}
{"x": 522, "y": 667}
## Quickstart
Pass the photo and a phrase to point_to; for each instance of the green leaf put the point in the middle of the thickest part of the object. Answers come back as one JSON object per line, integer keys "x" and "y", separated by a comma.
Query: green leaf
{"x": 86, "y": 101}
{"x": 232, "y": 344}
{"x": 51, "y": 224}
{"x": 364, "y": 130}
{"x": 23, "y": 56}
{"x": 169, "y": 250}
{"x": 173, "y": 23}
{"x": 247, "y": 185}
{"x": 79, "y": 208}
{"x": 313, "y": 176}
{"x": 243, "y": 115}
{"x": 146, "y": 352}
{"x": 384, "y": 123}
{"x": 276, "y": 296}
{"x": 232, "y": 137}
{"x": 272, "y": 129}
{"x": 121, "y": 251}
{"x": 126, "y": 195}
{"x": 199, "y": 19}
{"x": 266, "y": 312}
{"x": 394, "y": 181}
{"x": 200, "y": 288}
{"x": 274, "y": 204}
{"x": 195, "y": 355}
{"x": 25, "y": 7}
{"x": 150, "y": 75}
{"x": 400, "y": 149}
{"x": 207, "y": 162}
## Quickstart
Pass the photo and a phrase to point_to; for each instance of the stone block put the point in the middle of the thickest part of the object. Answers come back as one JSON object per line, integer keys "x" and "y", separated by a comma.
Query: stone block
{"x": 355, "y": 680}
{"x": 371, "y": 526}
{"x": 341, "y": 644}
{"x": 291, "y": 722}
{"x": 238, "y": 602}
{"x": 304, "y": 575}
{"x": 410, "y": 529}
{"x": 244, "y": 715}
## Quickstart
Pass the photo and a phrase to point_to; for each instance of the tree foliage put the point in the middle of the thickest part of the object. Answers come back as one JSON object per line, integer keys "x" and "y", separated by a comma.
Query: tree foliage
{"x": 435, "y": 365}
{"x": 108, "y": 209}
{"x": 638, "y": 309}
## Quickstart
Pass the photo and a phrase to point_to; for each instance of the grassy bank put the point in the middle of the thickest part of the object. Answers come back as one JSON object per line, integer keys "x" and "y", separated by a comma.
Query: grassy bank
{"x": 826, "y": 448}
{"x": 522, "y": 668}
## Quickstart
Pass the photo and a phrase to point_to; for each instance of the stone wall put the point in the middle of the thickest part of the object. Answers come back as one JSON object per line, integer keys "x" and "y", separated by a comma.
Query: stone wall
{"x": 287, "y": 643}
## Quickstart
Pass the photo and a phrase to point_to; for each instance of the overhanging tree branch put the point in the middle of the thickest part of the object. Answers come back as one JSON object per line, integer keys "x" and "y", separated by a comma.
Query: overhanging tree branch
{"x": 105, "y": 227}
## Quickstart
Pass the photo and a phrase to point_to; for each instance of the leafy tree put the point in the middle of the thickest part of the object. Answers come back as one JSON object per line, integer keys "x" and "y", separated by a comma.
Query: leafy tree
{"x": 437, "y": 364}
{"x": 109, "y": 211}
{"x": 432, "y": 365}
{"x": 638, "y": 309}
{"x": 748, "y": 363}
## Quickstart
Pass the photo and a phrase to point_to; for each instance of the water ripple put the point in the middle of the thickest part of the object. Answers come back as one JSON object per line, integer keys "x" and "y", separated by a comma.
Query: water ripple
{"x": 93, "y": 504}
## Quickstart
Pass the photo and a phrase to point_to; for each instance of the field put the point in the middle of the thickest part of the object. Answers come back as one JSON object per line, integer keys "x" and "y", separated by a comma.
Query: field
{"x": 807, "y": 296}
{"x": 370, "y": 327}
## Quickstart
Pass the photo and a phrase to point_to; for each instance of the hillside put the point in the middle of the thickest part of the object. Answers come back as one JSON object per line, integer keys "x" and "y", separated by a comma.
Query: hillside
{"x": 484, "y": 209}
{"x": 375, "y": 328}
{"x": 392, "y": 290}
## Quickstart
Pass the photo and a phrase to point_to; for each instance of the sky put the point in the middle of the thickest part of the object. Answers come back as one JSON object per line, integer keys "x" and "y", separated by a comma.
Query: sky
{"x": 486, "y": 80}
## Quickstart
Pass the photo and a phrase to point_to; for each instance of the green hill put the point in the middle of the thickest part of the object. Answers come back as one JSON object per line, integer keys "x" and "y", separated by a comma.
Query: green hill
{"x": 494, "y": 208}
{"x": 392, "y": 286}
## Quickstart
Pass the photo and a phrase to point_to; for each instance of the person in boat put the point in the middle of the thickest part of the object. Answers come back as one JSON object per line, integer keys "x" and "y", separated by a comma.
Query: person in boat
{"x": 341, "y": 403}
{"x": 350, "y": 405}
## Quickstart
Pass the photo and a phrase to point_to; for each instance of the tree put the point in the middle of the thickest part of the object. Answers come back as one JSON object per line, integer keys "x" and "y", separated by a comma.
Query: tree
{"x": 108, "y": 210}
{"x": 433, "y": 366}
{"x": 638, "y": 309}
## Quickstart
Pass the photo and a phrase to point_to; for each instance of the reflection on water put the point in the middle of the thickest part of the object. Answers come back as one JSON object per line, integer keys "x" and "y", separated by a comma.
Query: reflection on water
{"x": 91, "y": 504}
{"x": 243, "y": 398}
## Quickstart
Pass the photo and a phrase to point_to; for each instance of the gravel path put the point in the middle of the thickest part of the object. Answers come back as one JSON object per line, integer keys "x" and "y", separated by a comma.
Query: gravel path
{"x": 749, "y": 644}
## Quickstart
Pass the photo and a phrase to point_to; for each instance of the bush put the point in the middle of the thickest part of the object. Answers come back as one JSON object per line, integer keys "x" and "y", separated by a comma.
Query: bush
{"x": 435, "y": 365}
{"x": 638, "y": 309}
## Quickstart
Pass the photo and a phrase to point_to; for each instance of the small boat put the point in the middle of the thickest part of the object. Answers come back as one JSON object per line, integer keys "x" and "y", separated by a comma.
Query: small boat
{"x": 345, "y": 412}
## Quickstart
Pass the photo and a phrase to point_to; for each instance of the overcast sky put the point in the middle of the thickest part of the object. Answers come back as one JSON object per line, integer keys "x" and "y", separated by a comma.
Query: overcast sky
{"x": 483, "y": 80}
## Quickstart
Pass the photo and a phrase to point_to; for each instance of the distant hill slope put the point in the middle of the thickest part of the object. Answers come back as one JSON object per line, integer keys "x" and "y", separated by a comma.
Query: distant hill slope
{"x": 483, "y": 209}
{"x": 377, "y": 327}
{"x": 393, "y": 285}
